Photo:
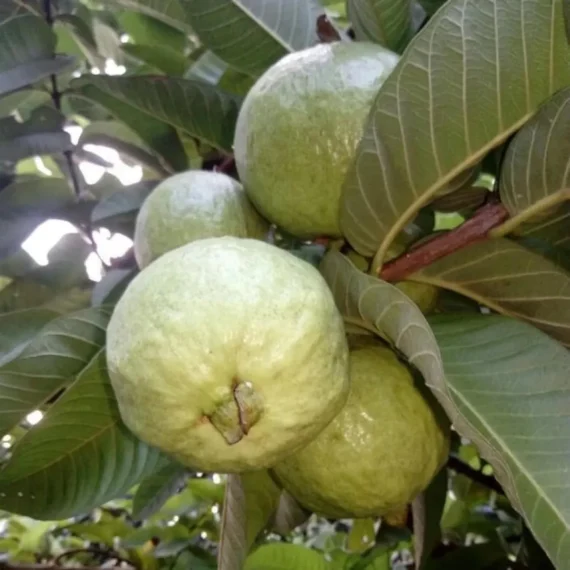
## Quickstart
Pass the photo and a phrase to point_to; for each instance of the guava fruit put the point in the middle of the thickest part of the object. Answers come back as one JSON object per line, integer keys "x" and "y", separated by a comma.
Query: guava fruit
{"x": 298, "y": 129}
{"x": 228, "y": 354}
{"x": 192, "y": 205}
{"x": 378, "y": 453}
{"x": 424, "y": 295}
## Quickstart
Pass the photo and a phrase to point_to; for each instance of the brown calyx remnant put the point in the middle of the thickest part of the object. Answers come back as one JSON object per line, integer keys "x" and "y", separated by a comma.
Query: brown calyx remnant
{"x": 234, "y": 417}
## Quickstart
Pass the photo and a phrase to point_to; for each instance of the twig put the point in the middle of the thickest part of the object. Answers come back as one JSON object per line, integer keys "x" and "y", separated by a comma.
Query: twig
{"x": 462, "y": 468}
{"x": 474, "y": 230}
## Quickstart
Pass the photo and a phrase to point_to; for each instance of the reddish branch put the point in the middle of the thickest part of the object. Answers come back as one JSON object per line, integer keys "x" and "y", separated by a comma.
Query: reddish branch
{"x": 472, "y": 231}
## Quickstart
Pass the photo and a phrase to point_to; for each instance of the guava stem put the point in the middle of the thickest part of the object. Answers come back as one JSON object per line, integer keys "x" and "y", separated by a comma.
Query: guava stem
{"x": 238, "y": 414}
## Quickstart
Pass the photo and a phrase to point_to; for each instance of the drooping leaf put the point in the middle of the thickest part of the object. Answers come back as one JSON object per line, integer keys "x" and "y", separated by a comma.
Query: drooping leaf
{"x": 61, "y": 350}
{"x": 386, "y": 22}
{"x": 112, "y": 286}
{"x": 251, "y": 35}
{"x": 535, "y": 174}
{"x": 170, "y": 12}
{"x": 474, "y": 58}
{"x": 278, "y": 556}
{"x": 232, "y": 549}
{"x": 17, "y": 330}
{"x": 509, "y": 279}
{"x": 427, "y": 509}
{"x": 79, "y": 456}
{"x": 289, "y": 515}
{"x": 27, "y": 46}
{"x": 203, "y": 111}
{"x": 156, "y": 489}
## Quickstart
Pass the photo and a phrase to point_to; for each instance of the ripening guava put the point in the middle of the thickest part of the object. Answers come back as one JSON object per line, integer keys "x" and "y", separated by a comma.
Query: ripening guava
{"x": 192, "y": 205}
{"x": 378, "y": 453}
{"x": 228, "y": 354}
{"x": 298, "y": 129}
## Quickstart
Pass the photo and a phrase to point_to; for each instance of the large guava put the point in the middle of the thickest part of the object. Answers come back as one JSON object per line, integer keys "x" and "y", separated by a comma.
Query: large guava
{"x": 192, "y": 205}
{"x": 228, "y": 354}
{"x": 298, "y": 129}
{"x": 379, "y": 452}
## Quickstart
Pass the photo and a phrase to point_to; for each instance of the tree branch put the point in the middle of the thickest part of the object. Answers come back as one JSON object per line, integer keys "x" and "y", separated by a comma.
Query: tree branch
{"x": 462, "y": 468}
{"x": 474, "y": 230}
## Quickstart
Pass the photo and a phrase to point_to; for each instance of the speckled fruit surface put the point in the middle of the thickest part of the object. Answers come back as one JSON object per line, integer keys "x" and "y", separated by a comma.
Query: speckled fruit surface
{"x": 193, "y": 205}
{"x": 228, "y": 354}
{"x": 298, "y": 129}
{"x": 381, "y": 451}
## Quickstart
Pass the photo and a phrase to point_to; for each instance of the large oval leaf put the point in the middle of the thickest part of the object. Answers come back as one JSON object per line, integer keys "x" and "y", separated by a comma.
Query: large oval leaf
{"x": 469, "y": 79}
{"x": 509, "y": 279}
{"x": 79, "y": 456}
{"x": 510, "y": 383}
{"x": 253, "y": 34}
{"x": 535, "y": 174}
{"x": 57, "y": 354}
{"x": 204, "y": 111}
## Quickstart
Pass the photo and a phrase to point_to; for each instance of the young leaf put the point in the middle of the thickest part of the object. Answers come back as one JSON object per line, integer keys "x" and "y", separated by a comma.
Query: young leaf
{"x": 535, "y": 170}
{"x": 79, "y": 456}
{"x": 386, "y": 22}
{"x": 203, "y": 111}
{"x": 232, "y": 549}
{"x": 279, "y": 556}
{"x": 156, "y": 489}
{"x": 509, "y": 384}
{"x": 59, "y": 352}
{"x": 510, "y": 279}
{"x": 473, "y": 59}
{"x": 251, "y": 35}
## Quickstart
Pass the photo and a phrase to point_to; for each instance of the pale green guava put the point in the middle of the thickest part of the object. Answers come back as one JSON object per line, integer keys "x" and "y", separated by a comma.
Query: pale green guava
{"x": 298, "y": 129}
{"x": 193, "y": 205}
{"x": 378, "y": 453}
{"x": 228, "y": 354}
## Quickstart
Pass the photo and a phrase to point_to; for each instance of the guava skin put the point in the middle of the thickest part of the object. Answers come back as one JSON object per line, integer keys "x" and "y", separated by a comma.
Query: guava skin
{"x": 193, "y": 205}
{"x": 299, "y": 127}
{"x": 221, "y": 322}
{"x": 378, "y": 454}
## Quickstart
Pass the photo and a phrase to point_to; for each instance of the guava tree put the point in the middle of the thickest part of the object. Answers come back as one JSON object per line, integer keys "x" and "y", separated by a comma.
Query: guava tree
{"x": 449, "y": 246}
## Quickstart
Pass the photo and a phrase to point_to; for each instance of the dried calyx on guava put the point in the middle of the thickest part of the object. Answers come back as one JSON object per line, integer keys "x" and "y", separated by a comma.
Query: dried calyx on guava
{"x": 298, "y": 129}
{"x": 191, "y": 205}
{"x": 228, "y": 354}
{"x": 378, "y": 453}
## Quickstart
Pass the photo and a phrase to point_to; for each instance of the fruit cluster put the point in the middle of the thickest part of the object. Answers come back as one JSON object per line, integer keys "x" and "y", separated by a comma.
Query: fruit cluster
{"x": 228, "y": 352}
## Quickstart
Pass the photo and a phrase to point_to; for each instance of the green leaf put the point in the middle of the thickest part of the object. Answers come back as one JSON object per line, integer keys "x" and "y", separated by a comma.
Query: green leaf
{"x": 261, "y": 500}
{"x": 170, "y": 12}
{"x": 27, "y": 46}
{"x": 205, "y": 112}
{"x": 289, "y": 515}
{"x": 386, "y": 22}
{"x": 251, "y": 35}
{"x": 509, "y": 279}
{"x": 155, "y": 490}
{"x": 508, "y": 382}
{"x": 79, "y": 456}
{"x": 361, "y": 536}
{"x": 432, "y": 6}
{"x": 75, "y": 37}
{"x": 475, "y": 557}
{"x": 427, "y": 510}
{"x": 17, "y": 330}
{"x": 279, "y": 556}
{"x": 534, "y": 173}
{"x": 111, "y": 287}
{"x": 24, "y": 101}
{"x": 162, "y": 58}
{"x": 58, "y": 353}
{"x": 566, "y": 11}
{"x": 232, "y": 549}
{"x": 143, "y": 29}
{"x": 464, "y": 200}
{"x": 473, "y": 59}
{"x": 208, "y": 67}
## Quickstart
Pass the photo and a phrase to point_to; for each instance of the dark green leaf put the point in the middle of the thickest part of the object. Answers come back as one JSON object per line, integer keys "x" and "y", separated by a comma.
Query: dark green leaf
{"x": 156, "y": 489}
{"x": 386, "y": 22}
{"x": 509, "y": 279}
{"x": 566, "y": 11}
{"x": 143, "y": 29}
{"x": 251, "y": 35}
{"x": 112, "y": 286}
{"x": 473, "y": 59}
{"x": 432, "y": 6}
{"x": 107, "y": 40}
{"x": 233, "y": 548}
{"x": 80, "y": 32}
{"x": 17, "y": 329}
{"x": 163, "y": 59}
{"x": 279, "y": 556}
{"x": 170, "y": 12}
{"x": 463, "y": 200}
{"x": 79, "y": 456}
{"x": 507, "y": 383}
{"x": 24, "y": 101}
{"x": 208, "y": 68}
{"x": 58, "y": 353}
{"x": 203, "y": 111}
{"x": 476, "y": 557}
{"x": 534, "y": 173}
{"x": 427, "y": 509}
